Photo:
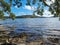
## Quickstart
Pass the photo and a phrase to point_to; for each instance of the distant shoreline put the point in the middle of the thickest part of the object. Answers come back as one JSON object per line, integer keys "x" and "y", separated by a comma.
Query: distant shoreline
{"x": 28, "y": 16}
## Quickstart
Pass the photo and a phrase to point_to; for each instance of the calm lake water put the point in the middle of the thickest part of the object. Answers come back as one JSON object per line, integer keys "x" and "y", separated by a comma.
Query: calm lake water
{"x": 33, "y": 24}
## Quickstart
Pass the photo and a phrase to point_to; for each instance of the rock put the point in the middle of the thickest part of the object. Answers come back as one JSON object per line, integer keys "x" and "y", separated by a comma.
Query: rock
{"x": 2, "y": 27}
{"x": 54, "y": 40}
{"x": 8, "y": 44}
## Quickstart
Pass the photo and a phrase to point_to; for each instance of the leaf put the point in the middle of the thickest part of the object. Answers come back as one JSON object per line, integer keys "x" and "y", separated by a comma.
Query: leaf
{"x": 12, "y": 16}
{"x": 19, "y": 4}
{"x": 40, "y": 0}
{"x": 28, "y": 2}
{"x": 34, "y": 2}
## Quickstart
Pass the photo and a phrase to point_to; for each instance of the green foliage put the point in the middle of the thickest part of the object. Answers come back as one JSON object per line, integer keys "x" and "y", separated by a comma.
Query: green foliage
{"x": 28, "y": 2}
{"x": 34, "y": 2}
{"x": 1, "y": 15}
{"x": 55, "y": 7}
{"x": 40, "y": 0}
{"x": 12, "y": 16}
{"x": 5, "y": 6}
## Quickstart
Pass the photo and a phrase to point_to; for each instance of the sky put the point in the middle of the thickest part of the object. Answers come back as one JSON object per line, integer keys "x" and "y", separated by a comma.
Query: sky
{"x": 28, "y": 10}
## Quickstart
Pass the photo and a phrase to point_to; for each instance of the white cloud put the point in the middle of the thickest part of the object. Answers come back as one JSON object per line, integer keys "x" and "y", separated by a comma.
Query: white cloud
{"x": 29, "y": 7}
{"x": 50, "y": 2}
{"x": 16, "y": 7}
{"x": 53, "y": 1}
{"x": 47, "y": 14}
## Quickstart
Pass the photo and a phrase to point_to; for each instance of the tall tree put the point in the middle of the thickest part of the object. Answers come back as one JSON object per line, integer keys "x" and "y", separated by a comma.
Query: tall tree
{"x": 54, "y": 7}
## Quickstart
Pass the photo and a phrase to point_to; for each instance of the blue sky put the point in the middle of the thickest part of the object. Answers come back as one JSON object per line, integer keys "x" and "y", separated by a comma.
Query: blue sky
{"x": 25, "y": 9}
{"x": 22, "y": 10}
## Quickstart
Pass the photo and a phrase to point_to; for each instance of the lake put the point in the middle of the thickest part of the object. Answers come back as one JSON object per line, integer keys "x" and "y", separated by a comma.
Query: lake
{"x": 46, "y": 29}
{"x": 34, "y": 25}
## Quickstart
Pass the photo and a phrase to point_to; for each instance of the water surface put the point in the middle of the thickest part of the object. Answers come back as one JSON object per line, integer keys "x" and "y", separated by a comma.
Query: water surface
{"x": 36, "y": 23}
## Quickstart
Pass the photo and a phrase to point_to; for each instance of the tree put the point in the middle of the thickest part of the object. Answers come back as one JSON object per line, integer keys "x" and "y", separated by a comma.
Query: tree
{"x": 6, "y": 7}
{"x": 12, "y": 16}
{"x": 54, "y": 8}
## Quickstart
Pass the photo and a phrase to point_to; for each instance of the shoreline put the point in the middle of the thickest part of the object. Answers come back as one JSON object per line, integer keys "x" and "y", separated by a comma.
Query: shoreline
{"x": 30, "y": 39}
